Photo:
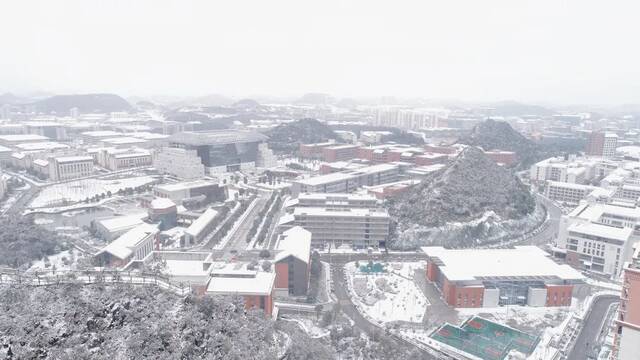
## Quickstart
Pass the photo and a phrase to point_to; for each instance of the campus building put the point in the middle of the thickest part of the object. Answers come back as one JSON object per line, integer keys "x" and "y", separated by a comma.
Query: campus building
{"x": 339, "y": 152}
{"x": 222, "y": 150}
{"x": 201, "y": 227}
{"x": 255, "y": 287}
{"x": 292, "y": 262}
{"x": 567, "y": 192}
{"x": 131, "y": 247}
{"x": 602, "y": 144}
{"x": 314, "y": 151}
{"x": 191, "y": 189}
{"x": 181, "y": 163}
{"x": 120, "y": 159}
{"x": 358, "y": 228}
{"x": 70, "y": 167}
{"x": 348, "y": 181}
{"x": 333, "y": 201}
{"x": 523, "y": 275}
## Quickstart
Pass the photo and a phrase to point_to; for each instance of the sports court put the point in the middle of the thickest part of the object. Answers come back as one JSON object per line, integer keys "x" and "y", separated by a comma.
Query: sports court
{"x": 485, "y": 339}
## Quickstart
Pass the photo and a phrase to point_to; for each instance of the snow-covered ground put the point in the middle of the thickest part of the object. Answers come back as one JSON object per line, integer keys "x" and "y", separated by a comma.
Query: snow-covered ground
{"x": 64, "y": 260}
{"x": 76, "y": 191}
{"x": 389, "y": 296}
{"x": 309, "y": 326}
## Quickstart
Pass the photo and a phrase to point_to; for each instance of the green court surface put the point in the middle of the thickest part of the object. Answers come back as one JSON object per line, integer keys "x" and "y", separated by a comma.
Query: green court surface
{"x": 485, "y": 339}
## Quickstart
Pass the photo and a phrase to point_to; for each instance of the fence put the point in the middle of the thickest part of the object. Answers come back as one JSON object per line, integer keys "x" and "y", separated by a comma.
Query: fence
{"x": 85, "y": 277}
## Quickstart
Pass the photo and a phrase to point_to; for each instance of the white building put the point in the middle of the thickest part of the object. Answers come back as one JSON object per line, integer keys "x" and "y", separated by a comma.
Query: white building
{"x": 348, "y": 181}
{"x": 112, "y": 228}
{"x": 70, "y": 167}
{"x": 576, "y": 171}
{"x": 265, "y": 157}
{"x": 133, "y": 246}
{"x": 182, "y": 163}
{"x": 567, "y": 192}
{"x": 201, "y": 227}
{"x": 189, "y": 189}
{"x": 3, "y": 185}
{"x": 610, "y": 144}
{"x": 119, "y": 159}
{"x": 599, "y": 248}
{"x": 334, "y": 200}
{"x": 337, "y": 227}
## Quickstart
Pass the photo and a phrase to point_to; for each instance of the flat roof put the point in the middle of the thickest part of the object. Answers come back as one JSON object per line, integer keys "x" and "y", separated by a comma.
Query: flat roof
{"x": 4, "y": 149}
{"x": 201, "y": 222}
{"x": 44, "y": 145}
{"x": 124, "y": 140}
{"x": 335, "y": 196}
{"x": 600, "y": 230}
{"x": 122, "y": 222}
{"x": 570, "y": 185}
{"x": 325, "y": 179}
{"x": 65, "y": 159}
{"x": 101, "y": 133}
{"x": 236, "y": 279}
{"x": 522, "y": 261}
{"x": 342, "y": 212}
{"x": 185, "y": 185}
{"x": 22, "y": 137}
{"x": 217, "y": 137}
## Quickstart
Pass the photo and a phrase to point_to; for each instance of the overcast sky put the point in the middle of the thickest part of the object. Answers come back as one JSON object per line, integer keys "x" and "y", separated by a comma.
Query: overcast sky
{"x": 579, "y": 51}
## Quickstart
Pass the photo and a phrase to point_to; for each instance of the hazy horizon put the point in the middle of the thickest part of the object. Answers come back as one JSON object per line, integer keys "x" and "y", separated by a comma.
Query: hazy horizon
{"x": 546, "y": 52}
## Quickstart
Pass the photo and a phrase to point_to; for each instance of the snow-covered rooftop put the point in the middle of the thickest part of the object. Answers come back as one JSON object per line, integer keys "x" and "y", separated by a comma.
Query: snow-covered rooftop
{"x": 294, "y": 242}
{"x": 200, "y": 223}
{"x": 44, "y": 145}
{"x": 162, "y": 203}
{"x": 122, "y": 222}
{"x": 101, "y": 133}
{"x": 341, "y": 212}
{"x": 234, "y": 278}
{"x": 125, "y": 245}
{"x": 22, "y": 137}
{"x": 67, "y": 159}
{"x": 185, "y": 185}
{"x": 474, "y": 264}
{"x": 603, "y": 231}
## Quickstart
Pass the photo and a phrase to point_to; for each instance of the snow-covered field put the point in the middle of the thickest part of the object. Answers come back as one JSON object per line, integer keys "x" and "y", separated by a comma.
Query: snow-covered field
{"x": 76, "y": 191}
{"x": 64, "y": 260}
{"x": 389, "y": 296}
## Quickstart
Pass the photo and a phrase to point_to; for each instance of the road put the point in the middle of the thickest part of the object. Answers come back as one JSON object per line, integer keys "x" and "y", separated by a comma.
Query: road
{"x": 339, "y": 289}
{"x": 238, "y": 241}
{"x": 586, "y": 343}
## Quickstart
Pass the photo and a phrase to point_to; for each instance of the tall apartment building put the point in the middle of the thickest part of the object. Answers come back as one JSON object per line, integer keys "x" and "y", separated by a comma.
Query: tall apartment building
{"x": 627, "y": 336}
{"x": 602, "y": 144}
{"x": 337, "y": 227}
{"x": 70, "y": 167}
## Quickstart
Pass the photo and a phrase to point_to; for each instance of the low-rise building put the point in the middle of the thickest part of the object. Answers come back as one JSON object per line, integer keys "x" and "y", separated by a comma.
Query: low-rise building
{"x": 314, "y": 151}
{"x": 190, "y": 189}
{"x": 567, "y": 192}
{"x": 12, "y": 140}
{"x": 292, "y": 262}
{"x": 131, "y": 247}
{"x": 120, "y": 159}
{"x": 524, "y": 275}
{"x": 339, "y": 152}
{"x": 255, "y": 287}
{"x": 70, "y": 167}
{"x": 599, "y": 248}
{"x": 111, "y": 228}
{"x": 334, "y": 200}
{"x": 201, "y": 227}
{"x": 358, "y": 228}
{"x": 348, "y": 181}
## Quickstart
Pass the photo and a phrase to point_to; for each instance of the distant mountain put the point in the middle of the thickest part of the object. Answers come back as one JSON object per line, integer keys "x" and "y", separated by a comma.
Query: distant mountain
{"x": 471, "y": 188}
{"x": 514, "y": 108}
{"x": 315, "y": 99}
{"x": 288, "y": 137}
{"x": 10, "y": 99}
{"x": 86, "y": 103}
{"x": 248, "y": 104}
{"x": 499, "y": 135}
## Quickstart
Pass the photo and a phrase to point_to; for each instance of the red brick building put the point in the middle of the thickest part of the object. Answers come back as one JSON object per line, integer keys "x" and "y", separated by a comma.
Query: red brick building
{"x": 339, "y": 153}
{"x": 314, "y": 151}
{"x": 524, "y": 275}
